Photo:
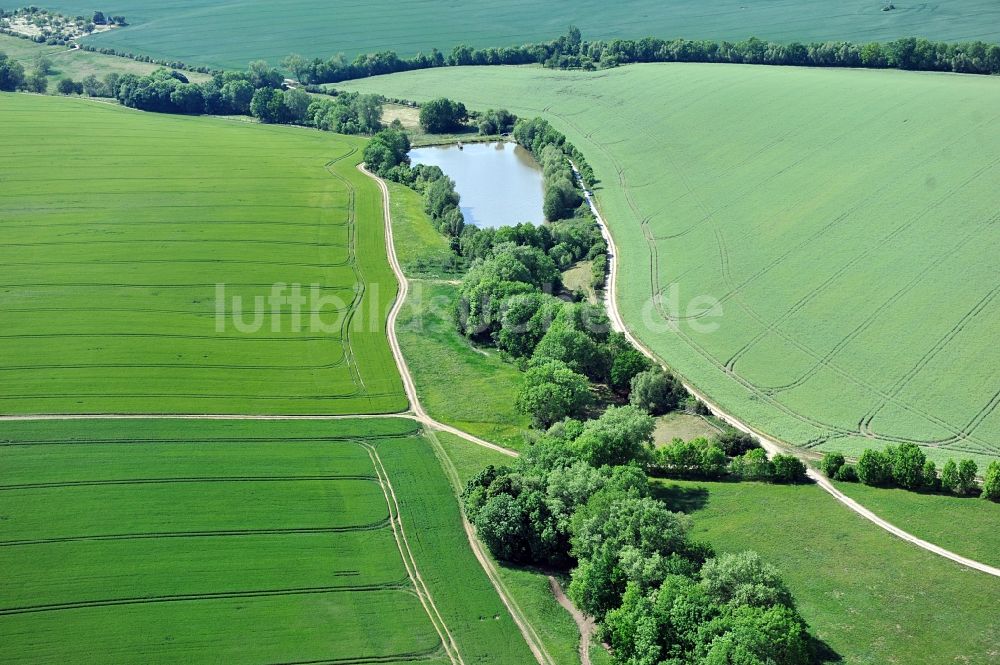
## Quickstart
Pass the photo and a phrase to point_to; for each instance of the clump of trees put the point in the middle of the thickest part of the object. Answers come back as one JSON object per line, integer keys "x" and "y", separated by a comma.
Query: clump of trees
{"x": 579, "y": 500}
{"x": 906, "y": 466}
{"x": 708, "y": 459}
{"x": 440, "y": 116}
{"x": 11, "y": 74}
{"x": 257, "y": 92}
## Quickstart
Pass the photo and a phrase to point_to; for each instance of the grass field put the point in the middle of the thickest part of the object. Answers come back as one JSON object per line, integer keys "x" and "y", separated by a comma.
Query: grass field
{"x": 815, "y": 249}
{"x": 227, "y": 35}
{"x": 462, "y": 385}
{"x": 967, "y": 526}
{"x": 121, "y": 230}
{"x": 871, "y": 597}
{"x": 459, "y": 384}
{"x": 77, "y": 64}
{"x": 159, "y": 537}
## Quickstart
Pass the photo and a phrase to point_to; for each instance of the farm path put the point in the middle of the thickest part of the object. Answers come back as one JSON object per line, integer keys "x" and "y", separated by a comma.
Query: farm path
{"x": 771, "y": 445}
{"x": 421, "y": 415}
{"x": 584, "y": 623}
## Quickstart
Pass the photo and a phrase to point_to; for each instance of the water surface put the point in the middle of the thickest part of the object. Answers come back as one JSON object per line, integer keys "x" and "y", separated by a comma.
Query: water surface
{"x": 500, "y": 183}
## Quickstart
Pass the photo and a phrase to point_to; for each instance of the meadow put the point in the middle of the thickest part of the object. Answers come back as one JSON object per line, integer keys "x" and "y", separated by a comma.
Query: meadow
{"x": 442, "y": 361}
{"x": 157, "y": 537}
{"x": 230, "y": 36}
{"x": 813, "y": 248}
{"x": 870, "y": 597}
{"x": 146, "y": 257}
{"x": 76, "y": 64}
{"x": 965, "y": 525}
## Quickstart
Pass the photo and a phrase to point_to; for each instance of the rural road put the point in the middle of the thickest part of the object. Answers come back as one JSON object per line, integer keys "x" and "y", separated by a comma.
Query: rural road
{"x": 771, "y": 445}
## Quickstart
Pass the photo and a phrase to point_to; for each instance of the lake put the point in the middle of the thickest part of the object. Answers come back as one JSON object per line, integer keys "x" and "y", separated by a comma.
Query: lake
{"x": 500, "y": 183}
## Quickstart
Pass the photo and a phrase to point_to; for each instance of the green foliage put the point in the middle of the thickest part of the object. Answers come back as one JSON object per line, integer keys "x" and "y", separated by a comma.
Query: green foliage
{"x": 11, "y": 73}
{"x": 966, "y": 484}
{"x": 387, "y": 149}
{"x": 847, "y": 473}
{"x": 753, "y": 465}
{"x": 875, "y": 468}
{"x": 440, "y": 116}
{"x": 656, "y": 391}
{"x": 949, "y": 477}
{"x": 908, "y": 466}
{"x": 698, "y": 458}
{"x": 788, "y": 469}
{"x": 551, "y": 392}
{"x": 991, "y": 482}
{"x": 620, "y": 436}
{"x": 831, "y": 464}
{"x": 500, "y": 121}
{"x": 734, "y": 442}
{"x": 625, "y": 366}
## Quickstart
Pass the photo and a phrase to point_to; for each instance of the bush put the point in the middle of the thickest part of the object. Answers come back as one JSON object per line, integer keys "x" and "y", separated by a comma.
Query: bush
{"x": 967, "y": 471}
{"x": 875, "y": 468}
{"x": 439, "y": 116}
{"x": 991, "y": 482}
{"x": 831, "y": 464}
{"x": 656, "y": 391}
{"x": 551, "y": 392}
{"x": 847, "y": 474}
{"x": 625, "y": 367}
{"x": 68, "y": 86}
{"x": 754, "y": 465}
{"x": 788, "y": 469}
{"x": 735, "y": 442}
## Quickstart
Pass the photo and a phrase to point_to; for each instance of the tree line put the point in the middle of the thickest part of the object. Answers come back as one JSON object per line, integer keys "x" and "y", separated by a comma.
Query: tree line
{"x": 906, "y": 466}
{"x": 570, "y": 51}
{"x": 257, "y": 92}
{"x": 579, "y": 500}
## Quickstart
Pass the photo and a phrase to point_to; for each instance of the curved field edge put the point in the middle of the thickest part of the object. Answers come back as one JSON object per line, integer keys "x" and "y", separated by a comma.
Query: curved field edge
{"x": 126, "y": 257}
{"x": 769, "y": 212}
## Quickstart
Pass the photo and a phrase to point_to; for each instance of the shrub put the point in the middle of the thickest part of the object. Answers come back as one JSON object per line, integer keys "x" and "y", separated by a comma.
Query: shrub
{"x": 831, "y": 464}
{"x": 735, "y": 442}
{"x": 788, "y": 469}
{"x": 875, "y": 468}
{"x": 551, "y": 392}
{"x": 655, "y": 391}
{"x": 847, "y": 474}
{"x": 967, "y": 470}
{"x": 991, "y": 482}
{"x": 442, "y": 115}
{"x": 949, "y": 476}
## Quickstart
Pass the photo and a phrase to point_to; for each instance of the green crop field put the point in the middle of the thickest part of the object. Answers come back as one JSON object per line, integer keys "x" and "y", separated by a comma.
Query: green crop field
{"x": 871, "y": 597}
{"x": 146, "y": 257}
{"x": 159, "y": 537}
{"x": 231, "y": 35}
{"x": 815, "y": 249}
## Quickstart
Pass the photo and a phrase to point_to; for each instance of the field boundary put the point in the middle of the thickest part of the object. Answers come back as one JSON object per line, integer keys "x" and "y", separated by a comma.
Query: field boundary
{"x": 409, "y": 562}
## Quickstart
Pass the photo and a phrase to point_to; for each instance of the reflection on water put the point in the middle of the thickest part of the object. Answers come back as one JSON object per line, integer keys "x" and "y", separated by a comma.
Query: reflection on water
{"x": 500, "y": 183}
